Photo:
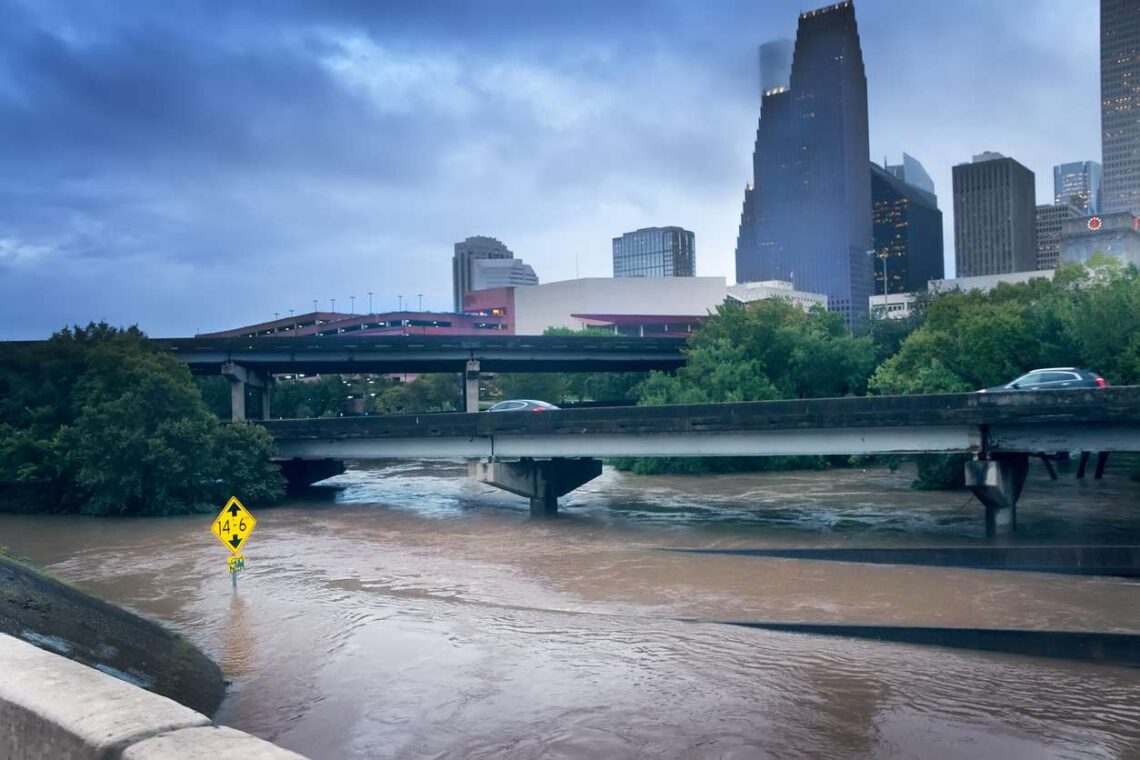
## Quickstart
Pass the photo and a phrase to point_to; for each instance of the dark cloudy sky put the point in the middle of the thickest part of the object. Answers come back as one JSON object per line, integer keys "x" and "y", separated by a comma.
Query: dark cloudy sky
{"x": 195, "y": 165}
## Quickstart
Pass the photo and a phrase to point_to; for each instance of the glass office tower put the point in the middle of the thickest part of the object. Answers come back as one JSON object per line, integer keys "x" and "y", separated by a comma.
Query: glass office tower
{"x": 655, "y": 252}
{"x": 908, "y": 233}
{"x": 1078, "y": 185}
{"x": 1120, "y": 105}
{"x": 806, "y": 218}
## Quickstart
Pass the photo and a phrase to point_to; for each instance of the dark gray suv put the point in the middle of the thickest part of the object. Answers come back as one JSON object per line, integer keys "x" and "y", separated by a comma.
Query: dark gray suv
{"x": 1053, "y": 378}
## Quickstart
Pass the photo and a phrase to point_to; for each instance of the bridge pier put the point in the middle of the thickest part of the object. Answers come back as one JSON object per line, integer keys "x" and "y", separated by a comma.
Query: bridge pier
{"x": 301, "y": 473}
{"x": 471, "y": 386}
{"x": 542, "y": 481}
{"x": 240, "y": 378}
{"x": 997, "y": 482}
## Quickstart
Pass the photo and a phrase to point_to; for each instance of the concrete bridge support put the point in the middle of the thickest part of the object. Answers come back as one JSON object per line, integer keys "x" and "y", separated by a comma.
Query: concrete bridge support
{"x": 471, "y": 386}
{"x": 240, "y": 378}
{"x": 997, "y": 482}
{"x": 301, "y": 473}
{"x": 542, "y": 481}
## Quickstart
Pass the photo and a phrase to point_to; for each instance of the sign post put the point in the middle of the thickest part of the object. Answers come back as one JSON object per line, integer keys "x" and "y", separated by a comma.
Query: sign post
{"x": 232, "y": 527}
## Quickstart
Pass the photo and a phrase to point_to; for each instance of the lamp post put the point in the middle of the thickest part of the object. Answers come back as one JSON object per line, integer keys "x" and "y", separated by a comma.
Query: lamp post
{"x": 314, "y": 306}
{"x": 370, "y": 302}
{"x": 352, "y": 304}
{"x": 421, "y": 296}
{"x": 400, "y": 302}
{"x": 333, "y": 302}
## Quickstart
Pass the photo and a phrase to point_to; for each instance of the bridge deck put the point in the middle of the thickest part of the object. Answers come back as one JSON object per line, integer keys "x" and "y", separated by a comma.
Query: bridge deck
{"x": 1094, "y": 420}
{"x": 429, "y": 353}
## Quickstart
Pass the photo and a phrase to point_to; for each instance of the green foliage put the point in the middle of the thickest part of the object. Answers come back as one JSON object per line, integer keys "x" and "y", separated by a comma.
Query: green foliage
{"x": 543, "y": 386}
{"x": 244, "y": 454}
{"x": 215, "y": 391}
{"x": 941, "y": 472}
{"x": 427, "y": 393}
{"x": 1084, "y": 316}
{"x": 104, "y": 424}
{"x": 304, "y": 397}
{"x": 589, "y": 332}
{"x": 770, "y": 350}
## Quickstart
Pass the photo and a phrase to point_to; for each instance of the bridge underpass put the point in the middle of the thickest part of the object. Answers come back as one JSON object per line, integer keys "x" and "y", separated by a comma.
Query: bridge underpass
{"x": 253, "y": 362}
{"x": 543, "y": 456}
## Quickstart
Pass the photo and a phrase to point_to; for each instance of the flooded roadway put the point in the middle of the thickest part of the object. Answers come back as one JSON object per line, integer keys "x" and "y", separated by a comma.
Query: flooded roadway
{"x": 416, "y": 614}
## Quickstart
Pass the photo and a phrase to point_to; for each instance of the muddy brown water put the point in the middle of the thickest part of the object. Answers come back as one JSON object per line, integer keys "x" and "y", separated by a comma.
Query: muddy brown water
{"x": 412, "y": 613}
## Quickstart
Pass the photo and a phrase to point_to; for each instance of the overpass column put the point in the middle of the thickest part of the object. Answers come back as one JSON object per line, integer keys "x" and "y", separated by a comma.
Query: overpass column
{"x": 540, "y": 481}
{"x": 471, "y": 386}
{"x": 997, "y": 482}
{"x": 239, "y": 378}
{"x": 237, "y": 399}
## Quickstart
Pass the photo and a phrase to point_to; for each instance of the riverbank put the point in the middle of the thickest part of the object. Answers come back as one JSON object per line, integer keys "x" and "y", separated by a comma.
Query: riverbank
{"x": 56, "y": 617}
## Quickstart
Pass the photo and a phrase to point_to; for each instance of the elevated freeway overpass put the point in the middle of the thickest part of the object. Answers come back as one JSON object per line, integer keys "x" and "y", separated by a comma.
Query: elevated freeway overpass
{"x": 543, "y": 456}
{"x": 254, "y": 361}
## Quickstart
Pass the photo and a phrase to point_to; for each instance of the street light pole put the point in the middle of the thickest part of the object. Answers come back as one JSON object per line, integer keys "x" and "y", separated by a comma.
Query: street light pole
{"x": 421, "y": 295}
{"x": 314, "y": 306}
{"x": 370, "y": 302}
{"x": 352, "y": 304}
{"x": 400, "y": 302}
{"x": 333, "y": 302}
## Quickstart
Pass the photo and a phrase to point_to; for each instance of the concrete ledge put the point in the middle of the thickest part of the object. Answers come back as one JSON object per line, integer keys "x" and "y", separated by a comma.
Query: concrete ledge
{"x": 205, "y": 744}
{"x": 53, "y": 707}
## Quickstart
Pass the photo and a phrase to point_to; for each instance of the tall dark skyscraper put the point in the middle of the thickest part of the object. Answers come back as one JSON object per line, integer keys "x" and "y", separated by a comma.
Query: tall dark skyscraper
{"x": 1120, "y": 105}
{"x": 995, "y": 216}
{"x": 775, "y": 64}
{"x": 806, "y": 217}
{"x": 908, "y": 231}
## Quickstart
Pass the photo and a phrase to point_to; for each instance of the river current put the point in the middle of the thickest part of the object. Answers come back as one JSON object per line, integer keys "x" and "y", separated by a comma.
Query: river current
{"x": 412, "y": 613}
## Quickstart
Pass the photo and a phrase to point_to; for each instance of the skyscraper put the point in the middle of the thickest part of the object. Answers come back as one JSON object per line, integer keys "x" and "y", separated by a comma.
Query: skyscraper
{"x": 805, "y": 219}
{"x": 911, "y": 172}
{"x": 995, "y": 224}
{"x": 1078, "y": 184}
{"x": 907, "y": 228}
{"x": 1049, "y": 223}
{"x": 655, "y": 252}
{"x": 775, "y": 64}
{"x": 470, "y": 250}
{"x": 1120, "y": 104}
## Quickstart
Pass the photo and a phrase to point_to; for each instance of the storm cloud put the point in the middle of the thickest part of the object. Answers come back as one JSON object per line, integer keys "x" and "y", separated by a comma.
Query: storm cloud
{"x": 195, "y": 165}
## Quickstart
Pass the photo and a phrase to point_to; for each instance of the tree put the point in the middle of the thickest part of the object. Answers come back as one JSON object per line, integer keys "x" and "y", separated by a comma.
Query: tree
{"x": 104, "y": 423}
{"x": 768, "y": 350}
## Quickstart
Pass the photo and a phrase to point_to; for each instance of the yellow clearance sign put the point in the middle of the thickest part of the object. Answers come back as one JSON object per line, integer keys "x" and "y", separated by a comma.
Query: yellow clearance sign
{"x": 233, "y": 525}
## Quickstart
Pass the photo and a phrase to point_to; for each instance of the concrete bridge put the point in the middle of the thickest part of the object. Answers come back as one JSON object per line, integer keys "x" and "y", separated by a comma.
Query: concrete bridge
{"x": 543, "y": 456}
{"x": 253, "y": 362}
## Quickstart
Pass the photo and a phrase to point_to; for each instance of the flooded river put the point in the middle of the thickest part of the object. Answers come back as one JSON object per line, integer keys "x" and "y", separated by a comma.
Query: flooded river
{"x": 412, "y": 613}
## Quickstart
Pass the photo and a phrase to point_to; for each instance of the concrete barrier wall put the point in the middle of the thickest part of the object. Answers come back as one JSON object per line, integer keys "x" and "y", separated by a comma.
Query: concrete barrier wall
{"x": 52, "y": 707}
